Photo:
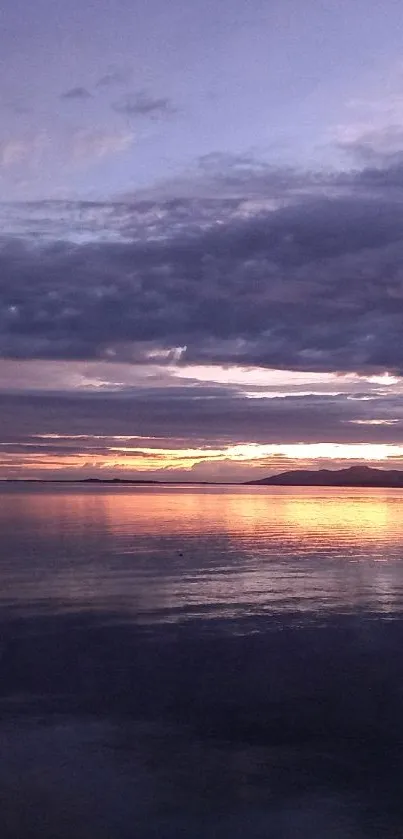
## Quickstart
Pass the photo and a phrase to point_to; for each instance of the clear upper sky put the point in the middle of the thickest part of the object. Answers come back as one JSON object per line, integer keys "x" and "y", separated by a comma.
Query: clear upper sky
{"x": 103, "y": 97}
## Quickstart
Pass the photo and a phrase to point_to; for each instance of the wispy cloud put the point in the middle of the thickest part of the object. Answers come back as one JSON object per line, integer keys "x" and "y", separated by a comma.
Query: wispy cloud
{"x": 76, "y": 93}
{"x": 18, "y": 106}
{"x": 13, "y": 152}
{"x": 94, "y": 145}
{"x": 114, "y": 77}
{"x": 142, "y": 104}
{"x": 373, "y": 147}
{"x": 372, "y": 131}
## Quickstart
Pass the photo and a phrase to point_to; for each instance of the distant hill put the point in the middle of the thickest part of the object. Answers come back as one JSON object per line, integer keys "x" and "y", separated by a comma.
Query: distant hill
{"x": 354, "y": 476}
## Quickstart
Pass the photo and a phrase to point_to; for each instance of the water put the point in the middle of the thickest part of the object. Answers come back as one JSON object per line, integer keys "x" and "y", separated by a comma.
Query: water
{"x": 175, "y": 554}
{"x": 200, "y": 661}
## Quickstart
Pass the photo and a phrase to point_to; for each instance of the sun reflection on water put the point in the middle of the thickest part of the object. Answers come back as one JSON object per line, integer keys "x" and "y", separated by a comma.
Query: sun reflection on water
{"x": 191, "y": 551}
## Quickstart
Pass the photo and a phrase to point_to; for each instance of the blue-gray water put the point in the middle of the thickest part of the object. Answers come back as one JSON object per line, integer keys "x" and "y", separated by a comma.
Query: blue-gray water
{"x": 200, "y": 662}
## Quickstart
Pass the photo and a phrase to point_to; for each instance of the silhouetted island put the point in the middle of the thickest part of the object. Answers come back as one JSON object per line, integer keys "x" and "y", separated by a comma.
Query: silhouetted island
{"x": 108, "y": 481}
{"x": 354, "y": 476}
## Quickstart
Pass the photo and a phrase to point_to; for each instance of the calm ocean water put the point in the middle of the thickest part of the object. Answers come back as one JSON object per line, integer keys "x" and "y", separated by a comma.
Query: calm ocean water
{"x": 200, "y": 661}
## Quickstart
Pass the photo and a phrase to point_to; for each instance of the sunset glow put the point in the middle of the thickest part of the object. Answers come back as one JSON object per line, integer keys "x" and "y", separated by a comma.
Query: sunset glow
{"x": 192, "y": 286}
{"x": 101, "y": 456}
{"x": 201, "y": 419}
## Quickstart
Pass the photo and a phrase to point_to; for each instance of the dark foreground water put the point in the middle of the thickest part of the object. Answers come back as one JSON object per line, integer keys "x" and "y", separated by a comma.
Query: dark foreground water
{"x": 200, "y": 662}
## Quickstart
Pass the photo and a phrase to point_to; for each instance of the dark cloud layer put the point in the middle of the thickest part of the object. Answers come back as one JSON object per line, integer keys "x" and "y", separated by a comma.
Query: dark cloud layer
{"x": 312, "y": 282}
{"x": 199, "y": 416}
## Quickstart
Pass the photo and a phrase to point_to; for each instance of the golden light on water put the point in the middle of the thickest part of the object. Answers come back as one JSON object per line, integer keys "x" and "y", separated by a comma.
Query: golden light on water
{"x": 177, "y": 551}
{"x": 348, "y": 514}
{"x": 299, "y": 516}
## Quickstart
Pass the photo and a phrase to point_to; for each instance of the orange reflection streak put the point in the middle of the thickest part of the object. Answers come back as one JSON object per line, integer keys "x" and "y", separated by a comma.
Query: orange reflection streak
{"x": 300, "y": 513}
{"x": 294, "y": 514}
{"x": 220, "y": 548}
{"x": 367, "y": 517}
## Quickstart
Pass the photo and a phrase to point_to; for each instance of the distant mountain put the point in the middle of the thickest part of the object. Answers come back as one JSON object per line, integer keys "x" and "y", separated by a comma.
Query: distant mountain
{"x": 354, "y": 476}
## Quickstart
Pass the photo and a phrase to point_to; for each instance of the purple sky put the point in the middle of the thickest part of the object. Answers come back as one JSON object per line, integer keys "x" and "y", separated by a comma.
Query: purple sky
{"x": 98, "y": 98}
{"x": 195, "y": 197}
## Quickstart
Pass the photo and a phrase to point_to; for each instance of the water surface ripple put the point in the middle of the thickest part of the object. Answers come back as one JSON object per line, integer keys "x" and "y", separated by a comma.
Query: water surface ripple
{"x": 204, "y": 662}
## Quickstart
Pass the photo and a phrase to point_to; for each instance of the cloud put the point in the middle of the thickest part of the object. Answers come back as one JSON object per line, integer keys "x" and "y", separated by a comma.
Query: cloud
{"x": 94, "y": 145}
{"x": 13, "y": 152}
{"x": 381, "y": 147}
{"x": 76, "y": 93}
{"x": 203, "y": 424}
{"x": 372, "y": 133}
{"x": 113, "y": 77}
{"x": 67, "y": 415}
{"x": 18, "y": 106}
{"x": 141, "y": 104}
{"x": 244, "y": 178}
{"x": 314, "y": 282}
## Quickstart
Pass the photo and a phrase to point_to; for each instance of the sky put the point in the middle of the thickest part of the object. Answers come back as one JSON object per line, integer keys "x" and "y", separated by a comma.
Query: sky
{"x": 201, "y": 237}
